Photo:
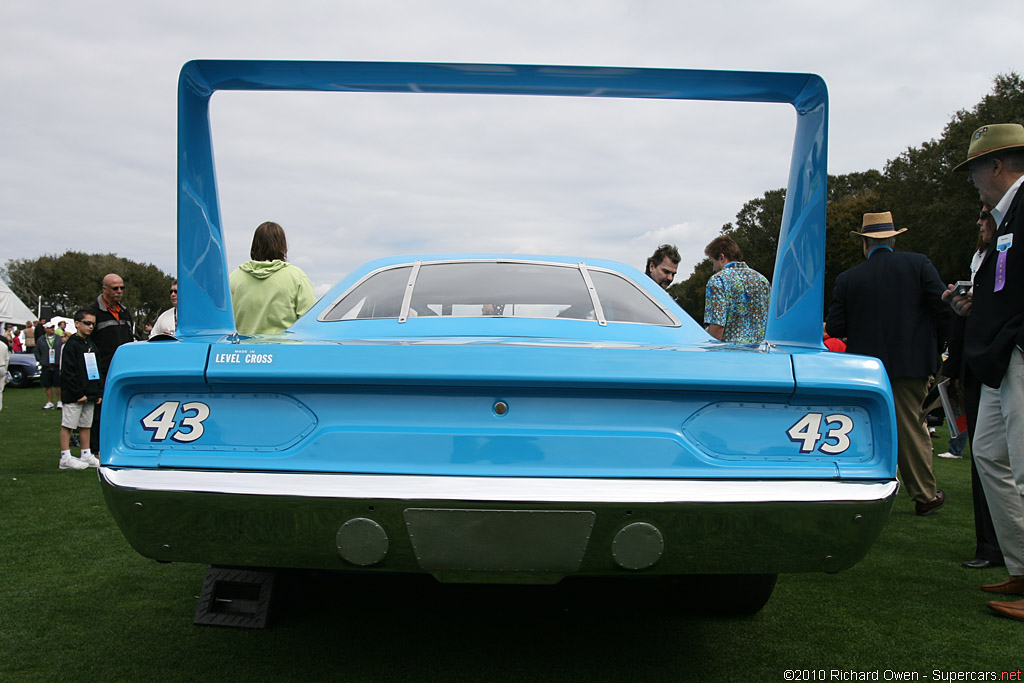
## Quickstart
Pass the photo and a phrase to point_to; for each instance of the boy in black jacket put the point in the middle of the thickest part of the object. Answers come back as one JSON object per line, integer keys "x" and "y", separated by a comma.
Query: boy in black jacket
{"x": 80, "y": 385}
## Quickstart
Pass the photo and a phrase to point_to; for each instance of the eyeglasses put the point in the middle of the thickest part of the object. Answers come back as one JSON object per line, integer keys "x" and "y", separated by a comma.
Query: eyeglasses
{"x": 118, "y": 288}
{"x": 174, "y": 291}
{"x": 87, "y": 323}
{"x": 984, "y": 215}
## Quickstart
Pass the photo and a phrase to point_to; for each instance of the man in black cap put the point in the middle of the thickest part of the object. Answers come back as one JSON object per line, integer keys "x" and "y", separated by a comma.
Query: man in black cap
{"x": 890, "y": 307}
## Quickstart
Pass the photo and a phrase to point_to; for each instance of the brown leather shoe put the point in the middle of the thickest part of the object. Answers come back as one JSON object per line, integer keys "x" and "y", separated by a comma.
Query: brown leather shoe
{"x": 1014, "y": 584}
{"x": 1014, "y": 610}
{"x": 923, "y": 509}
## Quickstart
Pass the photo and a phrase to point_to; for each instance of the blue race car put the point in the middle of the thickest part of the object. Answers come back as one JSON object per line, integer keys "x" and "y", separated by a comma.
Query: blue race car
{"x": 500, "y": 418}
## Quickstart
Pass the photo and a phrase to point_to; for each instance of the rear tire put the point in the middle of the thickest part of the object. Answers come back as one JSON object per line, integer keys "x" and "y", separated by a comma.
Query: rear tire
{"x": 723, "y": 594}
{"x": 18, "y": 378}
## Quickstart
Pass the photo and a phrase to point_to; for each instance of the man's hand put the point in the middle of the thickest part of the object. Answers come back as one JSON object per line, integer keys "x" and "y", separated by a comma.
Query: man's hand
{"x": 961, "y": 304}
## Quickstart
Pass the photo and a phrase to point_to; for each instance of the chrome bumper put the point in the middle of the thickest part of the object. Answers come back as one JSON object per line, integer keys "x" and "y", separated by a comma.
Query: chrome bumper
{"x": 496, "y": 529}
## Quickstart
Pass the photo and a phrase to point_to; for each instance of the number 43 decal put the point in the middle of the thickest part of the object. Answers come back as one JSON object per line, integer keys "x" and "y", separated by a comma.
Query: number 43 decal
{"x": 808, "y": 430}
{"x": 161, "y": 421}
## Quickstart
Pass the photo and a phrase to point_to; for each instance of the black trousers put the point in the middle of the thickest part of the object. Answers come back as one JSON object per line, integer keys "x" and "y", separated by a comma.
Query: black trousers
{"x": 986, "y": 543}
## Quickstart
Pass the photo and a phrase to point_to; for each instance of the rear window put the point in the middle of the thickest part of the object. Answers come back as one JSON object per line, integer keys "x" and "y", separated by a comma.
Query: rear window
{"x": 499, "y": 289}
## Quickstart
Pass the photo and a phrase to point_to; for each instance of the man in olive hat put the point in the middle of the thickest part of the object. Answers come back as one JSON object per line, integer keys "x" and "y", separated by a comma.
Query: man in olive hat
{"x": 994, "y": 345}
{"x": 890, "y": 307}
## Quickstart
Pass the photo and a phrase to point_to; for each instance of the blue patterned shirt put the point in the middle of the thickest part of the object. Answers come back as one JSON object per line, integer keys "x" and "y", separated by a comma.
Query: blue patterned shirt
{"x": 737, "y": 298}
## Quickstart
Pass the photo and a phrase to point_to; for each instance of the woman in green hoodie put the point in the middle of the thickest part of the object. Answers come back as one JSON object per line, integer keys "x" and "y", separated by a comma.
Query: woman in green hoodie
{"x": 268, "y": 294}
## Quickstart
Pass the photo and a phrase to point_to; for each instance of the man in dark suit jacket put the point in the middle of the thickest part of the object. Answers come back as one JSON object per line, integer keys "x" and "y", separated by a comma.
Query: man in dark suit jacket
{"x": 890, "y": 307}
{"x": 994, "y": 346}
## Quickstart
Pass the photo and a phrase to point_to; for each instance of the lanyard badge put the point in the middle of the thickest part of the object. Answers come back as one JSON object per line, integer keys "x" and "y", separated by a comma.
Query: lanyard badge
{"x": 1003, "y": 244}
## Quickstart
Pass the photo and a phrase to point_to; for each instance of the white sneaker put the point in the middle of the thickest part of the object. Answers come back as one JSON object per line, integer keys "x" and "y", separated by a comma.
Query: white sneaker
{"x": 68, "y": 462}
{"x": 949, "y": 456}
{"x": 59, "y": 404}
{"x": 90, "y": 460}
{"x": 48, "y": 406}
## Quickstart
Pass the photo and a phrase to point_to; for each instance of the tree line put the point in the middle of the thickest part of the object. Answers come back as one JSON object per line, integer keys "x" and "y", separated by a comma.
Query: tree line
{"x": 73, "y": 280}
{"x": 939, "y": 207}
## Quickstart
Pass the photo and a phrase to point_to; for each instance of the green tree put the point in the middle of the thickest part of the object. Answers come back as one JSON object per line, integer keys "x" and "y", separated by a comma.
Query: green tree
{"x": 939, "y": 207}
{"x": 73, "y": 279}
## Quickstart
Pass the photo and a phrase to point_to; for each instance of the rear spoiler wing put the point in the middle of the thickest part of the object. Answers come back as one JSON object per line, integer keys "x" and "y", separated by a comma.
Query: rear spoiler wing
{"x": 797, "y": 299}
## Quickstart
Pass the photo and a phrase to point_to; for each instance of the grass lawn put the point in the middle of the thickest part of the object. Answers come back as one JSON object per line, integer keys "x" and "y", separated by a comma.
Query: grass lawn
{"x": 77, "y": 603}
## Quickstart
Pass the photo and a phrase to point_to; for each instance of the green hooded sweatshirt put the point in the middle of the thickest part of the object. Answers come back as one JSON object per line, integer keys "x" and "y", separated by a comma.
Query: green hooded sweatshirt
{"x": 269, "y": 296}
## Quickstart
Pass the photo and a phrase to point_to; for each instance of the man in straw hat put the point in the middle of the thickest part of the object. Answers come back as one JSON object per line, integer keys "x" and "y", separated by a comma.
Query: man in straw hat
{"x": 994, "y": 345}
{"x": 890, "y": 307}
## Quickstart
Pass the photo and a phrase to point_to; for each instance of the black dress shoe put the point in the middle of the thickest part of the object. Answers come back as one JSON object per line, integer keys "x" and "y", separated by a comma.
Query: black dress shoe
{"x": 979, "y": 563}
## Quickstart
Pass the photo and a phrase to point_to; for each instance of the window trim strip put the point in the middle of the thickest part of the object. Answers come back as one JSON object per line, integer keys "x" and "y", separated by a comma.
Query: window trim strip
{"x": 403, "y": 315}
{"x": 594, "y": 299}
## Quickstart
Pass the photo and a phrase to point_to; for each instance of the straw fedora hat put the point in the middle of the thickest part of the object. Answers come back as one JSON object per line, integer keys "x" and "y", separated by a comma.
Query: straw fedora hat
{"x": 996, "y": 137}
{"x": 878, "y": 225}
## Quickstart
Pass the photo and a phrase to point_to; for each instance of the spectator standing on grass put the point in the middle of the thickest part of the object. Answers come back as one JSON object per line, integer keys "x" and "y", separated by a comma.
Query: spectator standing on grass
{"x": 47, "y": 353}
{"x": 987, "y": 552}
{"x": 80, "y": 377}
{"x": 986, "y": 229}
{"x": 114, "y": 327}
{"x": 4, "y": 360}
{"x": 30, "y": 336}
{"x": 994, "y": 346}
{"x": 890, "y": 307}
{"x": 267, "y": 293}
{"x": 736, "y": 296}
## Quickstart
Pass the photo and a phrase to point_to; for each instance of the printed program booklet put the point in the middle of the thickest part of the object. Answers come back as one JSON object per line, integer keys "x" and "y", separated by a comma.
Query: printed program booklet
{"x": 953, "y": 404}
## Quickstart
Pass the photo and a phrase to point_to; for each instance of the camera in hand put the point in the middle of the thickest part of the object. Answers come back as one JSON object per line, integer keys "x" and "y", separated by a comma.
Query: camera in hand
{"x": 962, "y": 287}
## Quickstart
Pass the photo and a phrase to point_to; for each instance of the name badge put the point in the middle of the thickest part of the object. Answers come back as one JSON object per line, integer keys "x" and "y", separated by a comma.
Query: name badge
{"x": 92, "y": 370}
{"x": 53, "y": 356}
{"x": 1004, "y": 242}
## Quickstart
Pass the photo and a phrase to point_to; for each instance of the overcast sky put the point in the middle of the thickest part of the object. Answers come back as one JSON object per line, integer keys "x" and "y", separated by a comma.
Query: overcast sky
{"x": 88, "y": 121}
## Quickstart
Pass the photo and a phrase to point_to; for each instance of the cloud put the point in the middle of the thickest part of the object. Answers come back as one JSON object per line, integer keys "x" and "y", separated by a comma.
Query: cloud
{"x": 88, "y": 122}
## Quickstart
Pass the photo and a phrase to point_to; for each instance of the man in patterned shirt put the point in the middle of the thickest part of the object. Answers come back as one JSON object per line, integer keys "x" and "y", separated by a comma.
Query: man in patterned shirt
{"x": 736, "y": 298}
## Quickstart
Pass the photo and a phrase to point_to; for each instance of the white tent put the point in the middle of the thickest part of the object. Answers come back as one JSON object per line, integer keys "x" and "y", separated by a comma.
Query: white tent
{"x": 12, "y": 310}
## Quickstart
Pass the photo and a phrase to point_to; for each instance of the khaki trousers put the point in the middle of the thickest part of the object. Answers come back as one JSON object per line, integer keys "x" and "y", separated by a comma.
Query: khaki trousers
{"x": 915, "y": 445}
{"x": 998, "y": 448}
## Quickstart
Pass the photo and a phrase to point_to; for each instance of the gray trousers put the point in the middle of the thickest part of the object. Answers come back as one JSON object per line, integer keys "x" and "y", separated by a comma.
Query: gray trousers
{"x": 998, "y": 448}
